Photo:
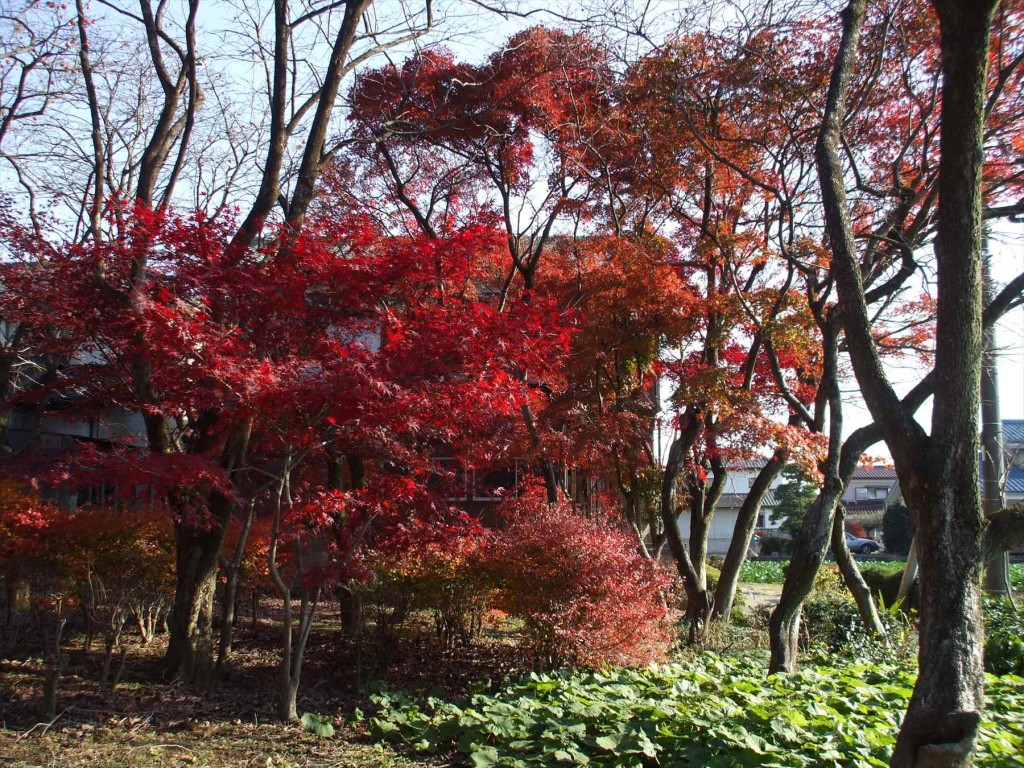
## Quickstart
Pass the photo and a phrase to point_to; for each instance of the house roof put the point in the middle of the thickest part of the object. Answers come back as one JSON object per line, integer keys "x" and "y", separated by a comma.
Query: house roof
{"x": 1014, "y": 478}
{"x": 1013, "y": 430}
{"x": 864, "y": 506}
{"x": 861, "y": 473}
{"x": 750, "y": 464}
{"x": 735, "y": 500}
{"x": 874, "y": 473}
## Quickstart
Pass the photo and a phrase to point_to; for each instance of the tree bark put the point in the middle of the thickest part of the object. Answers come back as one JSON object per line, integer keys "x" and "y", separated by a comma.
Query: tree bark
{"x": 852, "y": 577}
{"x": 229, "y": 604}
{"x": 190, "y": 645}
{"x": 746, "y": 522}
{"x": 812, "y": 542}
{"x": 938, "y": 473}
{"x": 698, "y": 601}
{"x": 997, "y": 576}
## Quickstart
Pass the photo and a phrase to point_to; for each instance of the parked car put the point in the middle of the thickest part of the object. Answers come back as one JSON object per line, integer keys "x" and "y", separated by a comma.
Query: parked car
{"x": 861, "y": 546}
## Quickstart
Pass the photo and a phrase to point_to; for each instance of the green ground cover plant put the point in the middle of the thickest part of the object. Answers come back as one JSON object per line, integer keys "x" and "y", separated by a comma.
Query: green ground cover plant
{"x": 711, "y": 711}
{"x": 774, "y": 571}
{"x": 1004, "y": 637}
{"x": 764, "y": 571}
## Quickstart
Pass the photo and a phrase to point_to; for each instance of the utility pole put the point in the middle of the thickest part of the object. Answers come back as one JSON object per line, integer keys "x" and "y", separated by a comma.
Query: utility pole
{"x": 997, "y": 579}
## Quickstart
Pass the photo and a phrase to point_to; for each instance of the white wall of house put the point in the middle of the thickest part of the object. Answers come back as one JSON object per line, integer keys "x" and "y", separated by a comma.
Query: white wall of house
{"x": 722, "y": 525}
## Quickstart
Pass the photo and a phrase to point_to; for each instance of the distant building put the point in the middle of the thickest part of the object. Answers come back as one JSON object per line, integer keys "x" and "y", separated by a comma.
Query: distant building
{"x": 1013, "y": 457}
{"x": 864, "y": 500}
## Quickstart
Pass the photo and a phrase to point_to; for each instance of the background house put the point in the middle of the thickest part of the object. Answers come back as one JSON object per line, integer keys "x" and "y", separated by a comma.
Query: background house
{"x": 867, "y": 496}
{"x": 1013, "y": 457}
{"x": 865, "y": 500}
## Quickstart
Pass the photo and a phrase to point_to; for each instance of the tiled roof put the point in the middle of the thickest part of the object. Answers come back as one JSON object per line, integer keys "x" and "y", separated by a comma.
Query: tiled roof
{"x": 731, "y": 500}
{"x": 749, "y": 464}
{"x": 735, "y": 500}
{"x": 867, "y": 505}
{"x": 874, "y": 473}
{"x": 1014, "y": 478}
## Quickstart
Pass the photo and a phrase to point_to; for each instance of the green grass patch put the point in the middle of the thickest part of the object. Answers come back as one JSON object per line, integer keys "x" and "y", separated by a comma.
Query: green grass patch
{"x": 712, "y": 712}
{"x": 774, "y": 571}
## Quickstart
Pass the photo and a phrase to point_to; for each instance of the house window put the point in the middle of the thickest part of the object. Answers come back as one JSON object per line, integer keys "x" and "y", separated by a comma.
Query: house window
{"x": 871, "y": 493}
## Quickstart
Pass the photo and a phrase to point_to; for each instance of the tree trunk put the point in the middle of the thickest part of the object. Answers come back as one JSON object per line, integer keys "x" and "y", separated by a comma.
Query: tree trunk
{"x": 940, "y": 727}
{"x": 746, "y": 522}
{"x": 698, "y": 601}
{"x": 852, "y": 577}
{"x": 909, "y": 572}
{"x": 812, "y": 542}
{"x": 294, "y": 650}
{"x": 941, "y": 483}
{"x": 350, "y": 606}
{"x": 227, "y": 618}
{"x": 229, "y": 603}
{"x": 808, "y": 554}
{"x": 997, "y": 576}
{"x": 700, "y": 526}
{"x": 190, "y": 645}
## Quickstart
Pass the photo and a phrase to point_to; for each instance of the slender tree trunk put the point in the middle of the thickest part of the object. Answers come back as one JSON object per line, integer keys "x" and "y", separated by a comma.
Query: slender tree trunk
{"x": 812, "y": 542}
{"x": 546, "y": 467}
{"x": 227, "y": 618}
{"x": 997, "y": 576}
{"x": 852, "y": 577}
{"x": 294, "y": 651}
{"x": 700, "y": 526}
{"x": 746, "y": 522}
{"x": 698, "y": 601}
{"x": 909, "y": 572}
{"x": 233, "y": 571}
{"x": 808, "y": 554}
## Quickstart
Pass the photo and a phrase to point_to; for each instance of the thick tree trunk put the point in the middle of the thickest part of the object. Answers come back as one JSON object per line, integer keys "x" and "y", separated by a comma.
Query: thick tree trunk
{"x": 190, "y": 645}
{"x": 940, "y": 727}
{"x": 350, "y": 607}
{"x": 938, "y": 473}
{"x": 941, "y": 487}
{"x": 746, "y": 522}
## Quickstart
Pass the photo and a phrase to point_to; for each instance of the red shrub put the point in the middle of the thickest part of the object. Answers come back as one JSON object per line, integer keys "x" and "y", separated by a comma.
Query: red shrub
{"x": 856, "y": 529}
{"x": 585, "y": 593}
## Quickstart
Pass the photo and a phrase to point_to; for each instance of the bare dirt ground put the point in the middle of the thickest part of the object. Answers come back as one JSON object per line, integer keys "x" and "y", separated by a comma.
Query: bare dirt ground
{"x": 150, "y": 723}
{"x": 154, "y": 724}
{"x": 757, "y": 595}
